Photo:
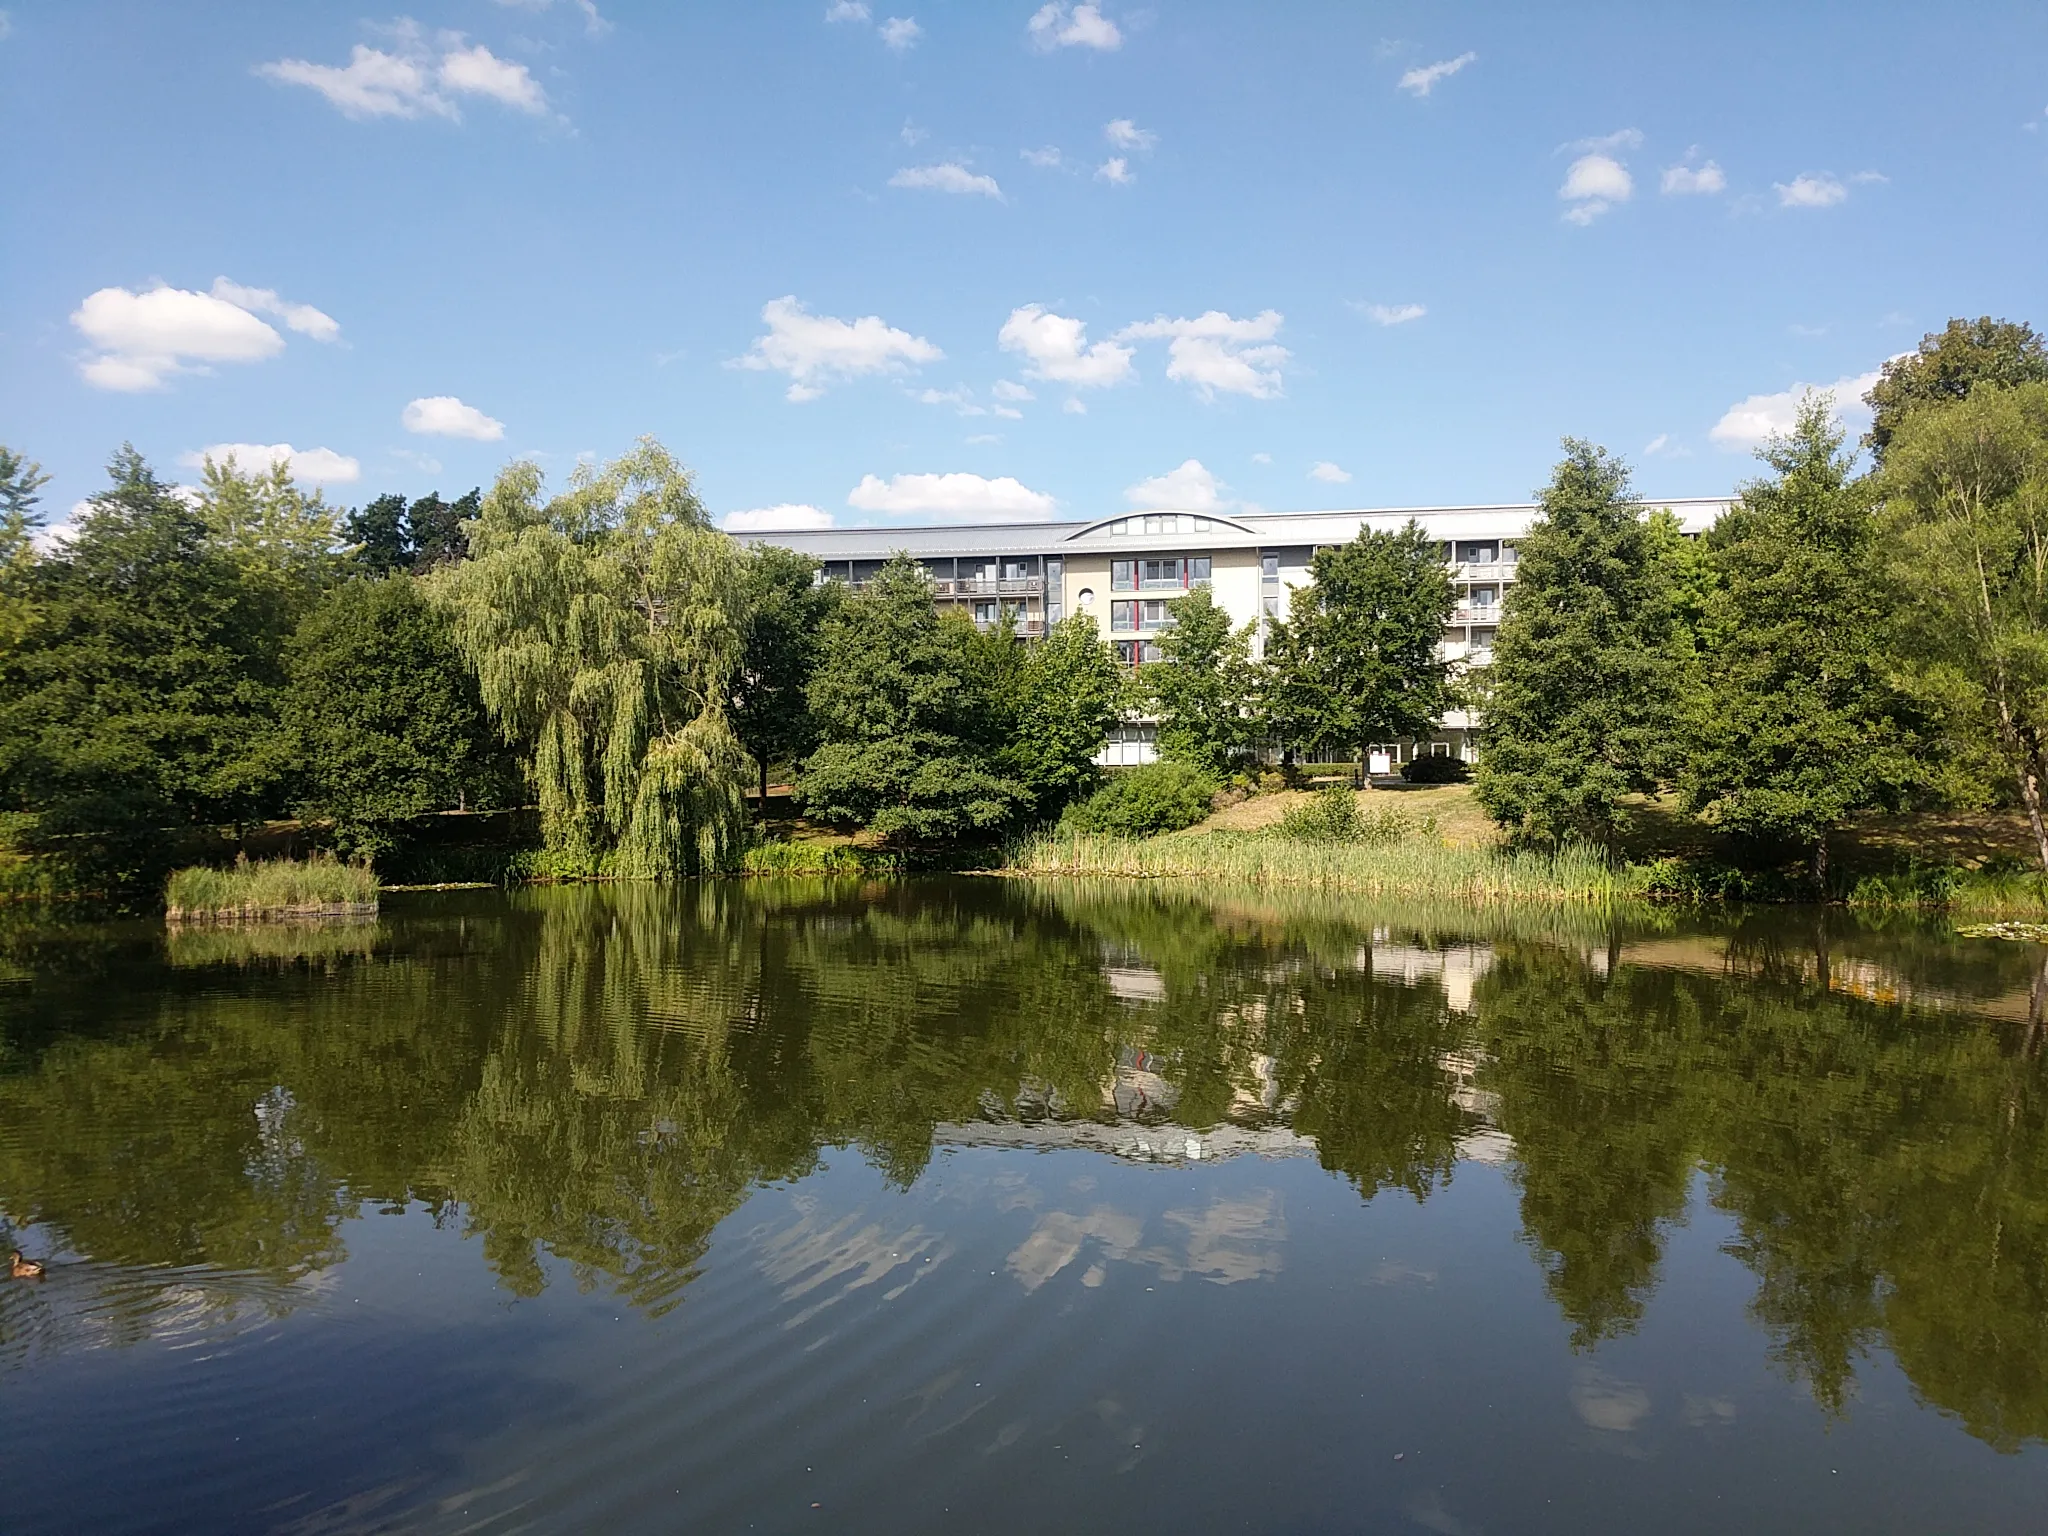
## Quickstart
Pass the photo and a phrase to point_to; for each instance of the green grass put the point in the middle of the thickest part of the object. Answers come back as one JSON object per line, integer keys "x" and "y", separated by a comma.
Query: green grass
{"x": 817, "y": 858}
{"x": 270, "y": 888}
{"x": 1416, "y": 867}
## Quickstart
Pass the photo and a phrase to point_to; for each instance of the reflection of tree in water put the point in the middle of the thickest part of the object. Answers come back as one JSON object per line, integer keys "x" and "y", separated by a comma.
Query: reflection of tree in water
{"x": 602, "y": 1075}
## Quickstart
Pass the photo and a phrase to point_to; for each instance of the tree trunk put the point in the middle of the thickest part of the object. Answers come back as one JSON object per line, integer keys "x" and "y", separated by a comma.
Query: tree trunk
{"x": 2030, "y": 791}
{"x": 764, "y": 790}
{"x": 1820, "y": 867}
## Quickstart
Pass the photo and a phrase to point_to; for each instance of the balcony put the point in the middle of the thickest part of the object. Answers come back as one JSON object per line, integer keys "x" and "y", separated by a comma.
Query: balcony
{"x": 1027, "y": 629}
{"x": 971, "y": 586}
{"x": 1476, "y": 613}
{"x": 1492, "y": 570}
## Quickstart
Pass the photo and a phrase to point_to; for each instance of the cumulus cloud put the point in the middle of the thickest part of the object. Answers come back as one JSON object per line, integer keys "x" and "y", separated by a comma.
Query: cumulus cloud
{"x": 1328, "y": 473}
{"x": 1748, "y": 423}
{"x": 593, "y": 22}
{"x": 1605, "y": 143}
{"x": 847, "y": 10}
{"x": 1595, "y": 183}
{"x": 303, "y": 318}
{"x": 1424, "y": 78}
{"x": 1006, "y": 389}
{"x": 817, "y": 351}
{"x": 310, "y": 466}
{"x": 144, "y": 338}
{"x": 1686, "y": 180}
{"x": 954, "y": 498}
{"x": 1046, "y": 159}
{"x": 786, "y": 517}
{"x": 1125, "y": 134}
{"x": 1056, "y": 348}
{"x": 411, "y": 80}
{"x": 446, "y": 416}
{"x": 1810, "y": 192}
{"x": 1075, "y": 406}
{"x": 900, "y": 32}
{"x": 1392, "y": 314}
{"x": 1060, "y": 25}
{"x": 949, "y": 177}
{"x": 1217, "y": 352}
{"x": 1190, "y": 488}
{"x": 1116, "y": 170}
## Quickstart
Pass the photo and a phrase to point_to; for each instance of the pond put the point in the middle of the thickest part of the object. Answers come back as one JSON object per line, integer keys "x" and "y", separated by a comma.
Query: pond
{"x": 983, "y": 1205}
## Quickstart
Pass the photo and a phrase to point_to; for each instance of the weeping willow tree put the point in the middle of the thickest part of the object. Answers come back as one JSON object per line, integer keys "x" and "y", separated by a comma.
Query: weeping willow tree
{"x": 604, "y": 625}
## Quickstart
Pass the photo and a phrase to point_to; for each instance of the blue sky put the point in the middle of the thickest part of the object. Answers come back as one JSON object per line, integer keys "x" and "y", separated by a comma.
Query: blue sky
{"x": 926, "y": 260}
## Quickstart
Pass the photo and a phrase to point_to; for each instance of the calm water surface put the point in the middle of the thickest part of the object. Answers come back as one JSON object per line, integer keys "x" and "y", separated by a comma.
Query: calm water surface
{"x": 984, "y": 1206}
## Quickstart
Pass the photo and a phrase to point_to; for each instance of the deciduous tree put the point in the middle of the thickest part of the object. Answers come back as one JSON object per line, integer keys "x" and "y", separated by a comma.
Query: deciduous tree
{"x": 1947, "y": 365}
{"x": 1204, "y": 687}
{"x": 786, "y": 610}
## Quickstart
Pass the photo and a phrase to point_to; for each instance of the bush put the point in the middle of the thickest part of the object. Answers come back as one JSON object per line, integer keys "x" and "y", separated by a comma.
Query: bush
{"x": 1159, "y": 797}
{"x": 1332, "y": 815}
{"x": 270, "y": 887}
{"x": 1436, "y": 770}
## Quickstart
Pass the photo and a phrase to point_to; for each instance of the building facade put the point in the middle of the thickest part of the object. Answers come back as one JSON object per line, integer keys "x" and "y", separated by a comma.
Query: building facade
{"x": 1122, "y": 571}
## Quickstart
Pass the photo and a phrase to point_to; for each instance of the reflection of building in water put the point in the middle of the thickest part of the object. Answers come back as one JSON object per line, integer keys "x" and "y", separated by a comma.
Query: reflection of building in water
{"x": 1135, "y": 983}
{"x": 1455, "y": 966}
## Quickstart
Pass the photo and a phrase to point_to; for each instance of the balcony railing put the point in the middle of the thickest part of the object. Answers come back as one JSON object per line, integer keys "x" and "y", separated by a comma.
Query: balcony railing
{"x": 1476, "y": 613}
{"x": 1027, "y": 629}
{"x": 974, "y": 586}
{"x": 1490, "y": 570}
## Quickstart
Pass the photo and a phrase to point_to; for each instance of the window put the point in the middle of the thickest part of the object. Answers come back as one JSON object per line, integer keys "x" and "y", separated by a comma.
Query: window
{"x": 1485, "y": 597}
{"x": 986, "y": 613}
{"x": 1017, "y": 570}
{"x": 1272, "y": 606}
{"x": 1127, "y": 652}
{"x": 1120, "y": 578}
{"x": 1269, "y": 567}
{"x": 1120, "y": 615}
{"x": 1148, "y": 651}
{"x": 1198, "y": 570}
{"x": 1085, "y": 597}
{"x": 1152, "y": 614}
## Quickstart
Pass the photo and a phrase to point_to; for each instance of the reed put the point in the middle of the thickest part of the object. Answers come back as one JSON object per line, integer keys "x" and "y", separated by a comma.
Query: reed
{"x": 1407, "y": 868}
{"x": 269, "y": 888}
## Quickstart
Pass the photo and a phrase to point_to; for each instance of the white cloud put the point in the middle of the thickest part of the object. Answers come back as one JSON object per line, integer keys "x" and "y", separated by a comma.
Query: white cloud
{"x": 1606, "y": 143}
{"x": 1215, "y": 351}
{"x": 1056, "y": 348}
{"x": 411, "y": 82}
{"x": 900, "y": 32}
{"x": 1868, "y": 178}
{"x": 954, "y": 498}
{"x": 6, "y": 26}
{"x": 847, "y": 10}
{"x": 1424, "y": 78}
{"x": 1392, "y": 314}
{"x": 1685, "y": 180}
{"x": 1328, "y": 473}
{"x": 1075, "y": 406}
{"x": 479, "y": 72}
{"x": 1190, "y": 488}
{"x": 145, "y": 337}
{"x": 1810, "y": 192}
{"x": 1060, "y": 25}
{"x": 1594, "y": 184}
{"x": 819, "y": 350}
{"x": 911, "y": 134}
{"x": 1748, "y": 423}
{"x": 593, "y": 23}
{"x": 1262, "y": 458}
{"x": 959, "y": 397}
{"x": 1656, "y": 444}
{"x": 446, "y": 416}
{"x": 1125, "y": 134}
{"x": 1006, "y": 389}
{"x": 1116, "y": 170}
{"x": 1045, "y": 159}
{"x": 950, "y": 177}
{"x": 310, "y": 466}
{"x": 786, "y": 517}
{"x": 303, "y": 318}
{"x": 980, "y": 438}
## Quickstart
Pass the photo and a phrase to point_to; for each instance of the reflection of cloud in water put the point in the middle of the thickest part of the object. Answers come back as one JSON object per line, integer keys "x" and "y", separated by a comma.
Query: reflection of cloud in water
{"x": 1607, "y": 1404}
{"x": 809, "y": 1254}
{"x": 1226, "y": 1241}
{"x": 1700, "y": 1411}
{"x": 1394, "y": 1272}
{"x": 1057, "y": 1238}
{"x": 1427, "y": 1510}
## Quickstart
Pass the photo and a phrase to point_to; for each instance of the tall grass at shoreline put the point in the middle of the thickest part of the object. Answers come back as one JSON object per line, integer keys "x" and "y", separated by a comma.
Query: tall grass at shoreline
{"x": 1408, "y": 868}
{"x": 269, "y": 888}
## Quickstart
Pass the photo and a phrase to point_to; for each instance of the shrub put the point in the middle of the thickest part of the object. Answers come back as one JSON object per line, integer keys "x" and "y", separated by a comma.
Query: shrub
{"x": 1159, "y": 797}
{"x": 1436, "y": 770}
{"x": 1330, "y": 815}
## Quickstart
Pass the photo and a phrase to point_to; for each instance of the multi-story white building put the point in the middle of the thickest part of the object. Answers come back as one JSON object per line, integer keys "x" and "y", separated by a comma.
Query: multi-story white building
{"x": 1122, "y": 571}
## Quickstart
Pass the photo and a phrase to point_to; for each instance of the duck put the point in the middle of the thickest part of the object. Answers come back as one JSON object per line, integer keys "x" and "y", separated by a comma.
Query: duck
{"x": 24, "y": 1269}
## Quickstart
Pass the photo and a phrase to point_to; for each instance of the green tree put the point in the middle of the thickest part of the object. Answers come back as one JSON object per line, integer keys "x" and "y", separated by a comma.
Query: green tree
{"x": 1068, "y": 692}
{"x": 1798, "y": 725}
{"x": 384, "y": 716}
{"x": 20, "y": 480}
{"x": 1356, "y": 661}
{"x": 1966, "y": 524}
{"x": 902, "y": 700}
{"x": 604, "y": 627}
{"x": 787, "y": 608}
{"x": 376, "y": 535}
{"x": 285, "y": 539}
{"x": 1204, "y": 687}
{"x": 143, "y": 696}
{"x": 1581, "y": 700}
{"x": 1947, "y": 365}
{"x": 435, "y": 530}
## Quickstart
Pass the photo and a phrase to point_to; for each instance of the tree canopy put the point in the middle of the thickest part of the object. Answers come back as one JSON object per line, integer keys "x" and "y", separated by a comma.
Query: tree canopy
{"x": 1204, "y": 687}
{"x": 1947, "y": 365}
{"x": 786, "y": 610}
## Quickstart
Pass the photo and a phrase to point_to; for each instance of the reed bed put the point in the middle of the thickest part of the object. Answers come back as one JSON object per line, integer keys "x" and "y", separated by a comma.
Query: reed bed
{"x": 1413, "y": 868}
{"x": 270, "y": 888}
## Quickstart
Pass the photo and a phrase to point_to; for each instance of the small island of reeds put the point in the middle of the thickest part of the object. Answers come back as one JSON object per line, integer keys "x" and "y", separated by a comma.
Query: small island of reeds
{"x": 267, "y": 889}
